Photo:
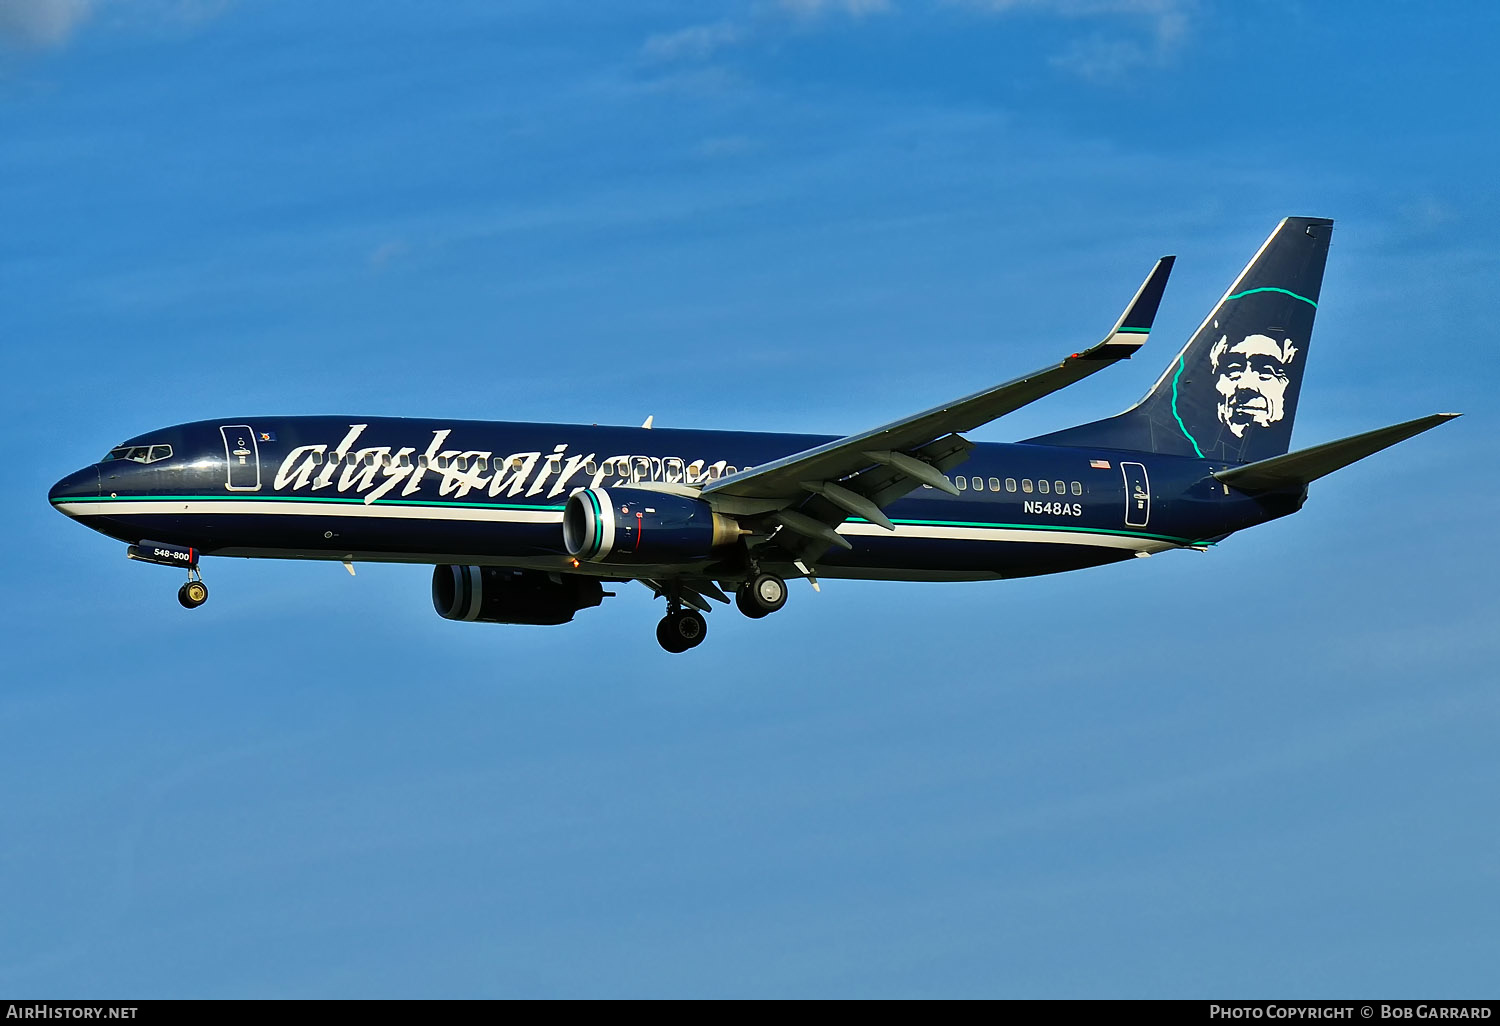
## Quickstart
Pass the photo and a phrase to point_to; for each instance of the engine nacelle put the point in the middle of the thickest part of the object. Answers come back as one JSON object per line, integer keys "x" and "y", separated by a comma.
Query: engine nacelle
{"x": 488, "y": 594}
{"x": 636, "y": 525}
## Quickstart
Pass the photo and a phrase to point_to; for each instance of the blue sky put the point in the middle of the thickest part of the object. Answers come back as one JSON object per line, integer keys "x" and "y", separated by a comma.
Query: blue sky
{"x": 1269, "y": 770}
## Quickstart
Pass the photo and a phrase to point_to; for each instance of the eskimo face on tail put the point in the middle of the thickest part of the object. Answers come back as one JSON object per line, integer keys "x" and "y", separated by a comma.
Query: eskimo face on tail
{"x": 1252, "y": 383}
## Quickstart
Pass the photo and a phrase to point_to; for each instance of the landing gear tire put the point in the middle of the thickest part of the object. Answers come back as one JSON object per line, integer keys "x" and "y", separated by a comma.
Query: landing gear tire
{"x": 761, "y": 596}
{"x": 192, "y": 594}
{"x": 682, "y": 630}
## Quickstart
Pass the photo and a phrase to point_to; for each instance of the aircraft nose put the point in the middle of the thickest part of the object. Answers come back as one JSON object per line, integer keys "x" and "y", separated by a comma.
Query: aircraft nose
{"x": 81, "y": 484}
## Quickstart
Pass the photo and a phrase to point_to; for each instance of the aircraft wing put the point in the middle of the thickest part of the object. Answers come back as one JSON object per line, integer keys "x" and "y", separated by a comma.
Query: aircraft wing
{"x": 809, "y": 493}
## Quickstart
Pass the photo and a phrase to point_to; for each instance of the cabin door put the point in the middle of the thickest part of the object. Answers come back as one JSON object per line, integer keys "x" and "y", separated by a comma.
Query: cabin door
{"x": 1137, "y": 494}
{"x": 244, "y": 458}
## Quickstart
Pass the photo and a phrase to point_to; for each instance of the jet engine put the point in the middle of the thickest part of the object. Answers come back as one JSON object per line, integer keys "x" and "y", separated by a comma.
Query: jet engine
{"x": 635, "y": 525}
{"x": 487, "y": 594}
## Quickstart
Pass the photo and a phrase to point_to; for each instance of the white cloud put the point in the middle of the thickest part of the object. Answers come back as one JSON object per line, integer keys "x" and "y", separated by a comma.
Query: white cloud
{"x": 697, "y": 43}
{"x": 1104, "y": 56}
{"x": 41, "y": 24}
{"x": 1142, "y": 33}
{"x": 387, "y": 252}
{"x": 1101, "y": 59}
{"x": 52, "y": 24}
{"x": 725, "y": 146}
{"x": 853, "y": 8}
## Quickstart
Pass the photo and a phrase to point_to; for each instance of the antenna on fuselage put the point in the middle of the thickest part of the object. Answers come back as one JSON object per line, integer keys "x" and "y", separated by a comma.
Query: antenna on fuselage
{"x": 649, "y": 419}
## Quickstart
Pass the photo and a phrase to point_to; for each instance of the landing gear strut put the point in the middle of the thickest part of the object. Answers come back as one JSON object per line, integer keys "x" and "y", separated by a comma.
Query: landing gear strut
{"x": 681, "y": 629}
{"x": 761, "y": 595}
{"x": 194, "y": 593}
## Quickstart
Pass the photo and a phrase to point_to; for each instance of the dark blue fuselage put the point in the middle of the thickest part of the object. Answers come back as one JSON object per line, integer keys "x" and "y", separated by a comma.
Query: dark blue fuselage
{"x": 492, "y": 494}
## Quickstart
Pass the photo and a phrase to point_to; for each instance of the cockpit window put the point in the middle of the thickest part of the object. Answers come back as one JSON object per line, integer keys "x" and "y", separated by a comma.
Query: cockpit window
{"x": 139, "y": 453}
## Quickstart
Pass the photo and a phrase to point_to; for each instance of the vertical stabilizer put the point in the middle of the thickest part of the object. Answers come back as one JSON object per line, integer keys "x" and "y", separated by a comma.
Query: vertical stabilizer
{"x": 1231, "y": 394}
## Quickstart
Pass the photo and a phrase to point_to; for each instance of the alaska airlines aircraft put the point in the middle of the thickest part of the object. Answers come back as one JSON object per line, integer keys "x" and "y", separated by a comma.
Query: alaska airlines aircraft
{"x": 526, "y": 523}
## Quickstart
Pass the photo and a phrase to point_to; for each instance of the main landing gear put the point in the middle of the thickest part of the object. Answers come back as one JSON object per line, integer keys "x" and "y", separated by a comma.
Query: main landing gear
{"x": 681, "y": 629}
{"x": 761, "y": 595}
{"x": 194, "y": 593}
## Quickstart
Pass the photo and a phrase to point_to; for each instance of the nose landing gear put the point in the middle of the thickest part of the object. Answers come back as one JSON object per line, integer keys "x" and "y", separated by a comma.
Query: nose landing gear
{"x": 194, "y": 593}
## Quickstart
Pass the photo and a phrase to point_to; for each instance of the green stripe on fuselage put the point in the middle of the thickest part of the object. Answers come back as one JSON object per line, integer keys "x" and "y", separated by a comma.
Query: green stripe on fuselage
{"x": 1036, "y": 527}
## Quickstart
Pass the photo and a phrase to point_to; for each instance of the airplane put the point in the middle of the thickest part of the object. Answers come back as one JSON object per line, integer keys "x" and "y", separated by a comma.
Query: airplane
{"x": 526, "y": 523}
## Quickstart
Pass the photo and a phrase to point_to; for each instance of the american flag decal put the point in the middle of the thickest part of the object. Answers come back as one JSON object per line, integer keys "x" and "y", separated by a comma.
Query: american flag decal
{"x": 1099, "y": 464}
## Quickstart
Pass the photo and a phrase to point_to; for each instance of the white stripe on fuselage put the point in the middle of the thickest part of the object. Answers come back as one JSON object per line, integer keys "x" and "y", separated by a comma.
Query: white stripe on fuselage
{"x": 273, "y": 507}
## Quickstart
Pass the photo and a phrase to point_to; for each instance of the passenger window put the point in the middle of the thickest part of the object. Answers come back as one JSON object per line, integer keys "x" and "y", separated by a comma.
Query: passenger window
{"x": 730, "y": 470}
{"x": 978, "y": 484}
{"x": 1041, "y": 486}
{"x": 673, "y": 468}
{"x": 1010, "y": 484}
{"x": 441, "y": 463}
{"x": 1061, "y": 486}
{"x": 640, "y": 469}
{"x": 961, "y": 483}
{"x": 994, "y": 484}
{"x": 405, "y": 460}
{"x": 591, "y": 468}
{"x": 317, "y": 459}
{"x": 1026, "y": 486}
{"x": 422, "y": 462}
{"x": 369, "y": 459}
{"x": 1077, "y": 488}
{"x": 713, "y": 472}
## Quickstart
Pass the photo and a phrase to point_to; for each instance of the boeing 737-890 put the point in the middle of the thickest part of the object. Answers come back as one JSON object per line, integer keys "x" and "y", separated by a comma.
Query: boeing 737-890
{"x": 527, "y": 523}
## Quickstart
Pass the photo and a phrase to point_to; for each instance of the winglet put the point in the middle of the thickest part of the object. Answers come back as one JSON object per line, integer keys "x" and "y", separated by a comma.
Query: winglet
{"x": 1307, "y": 465}
{"x": 1134, "y": 326}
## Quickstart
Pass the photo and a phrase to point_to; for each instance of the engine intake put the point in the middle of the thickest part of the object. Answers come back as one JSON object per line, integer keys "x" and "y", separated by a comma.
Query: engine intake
{"x": 636, "y": 525}
{"x": 488, "y": 594}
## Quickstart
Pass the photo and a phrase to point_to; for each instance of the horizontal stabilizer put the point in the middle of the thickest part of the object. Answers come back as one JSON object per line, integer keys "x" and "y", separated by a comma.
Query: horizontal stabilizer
{"x": 1296, "y": 469}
